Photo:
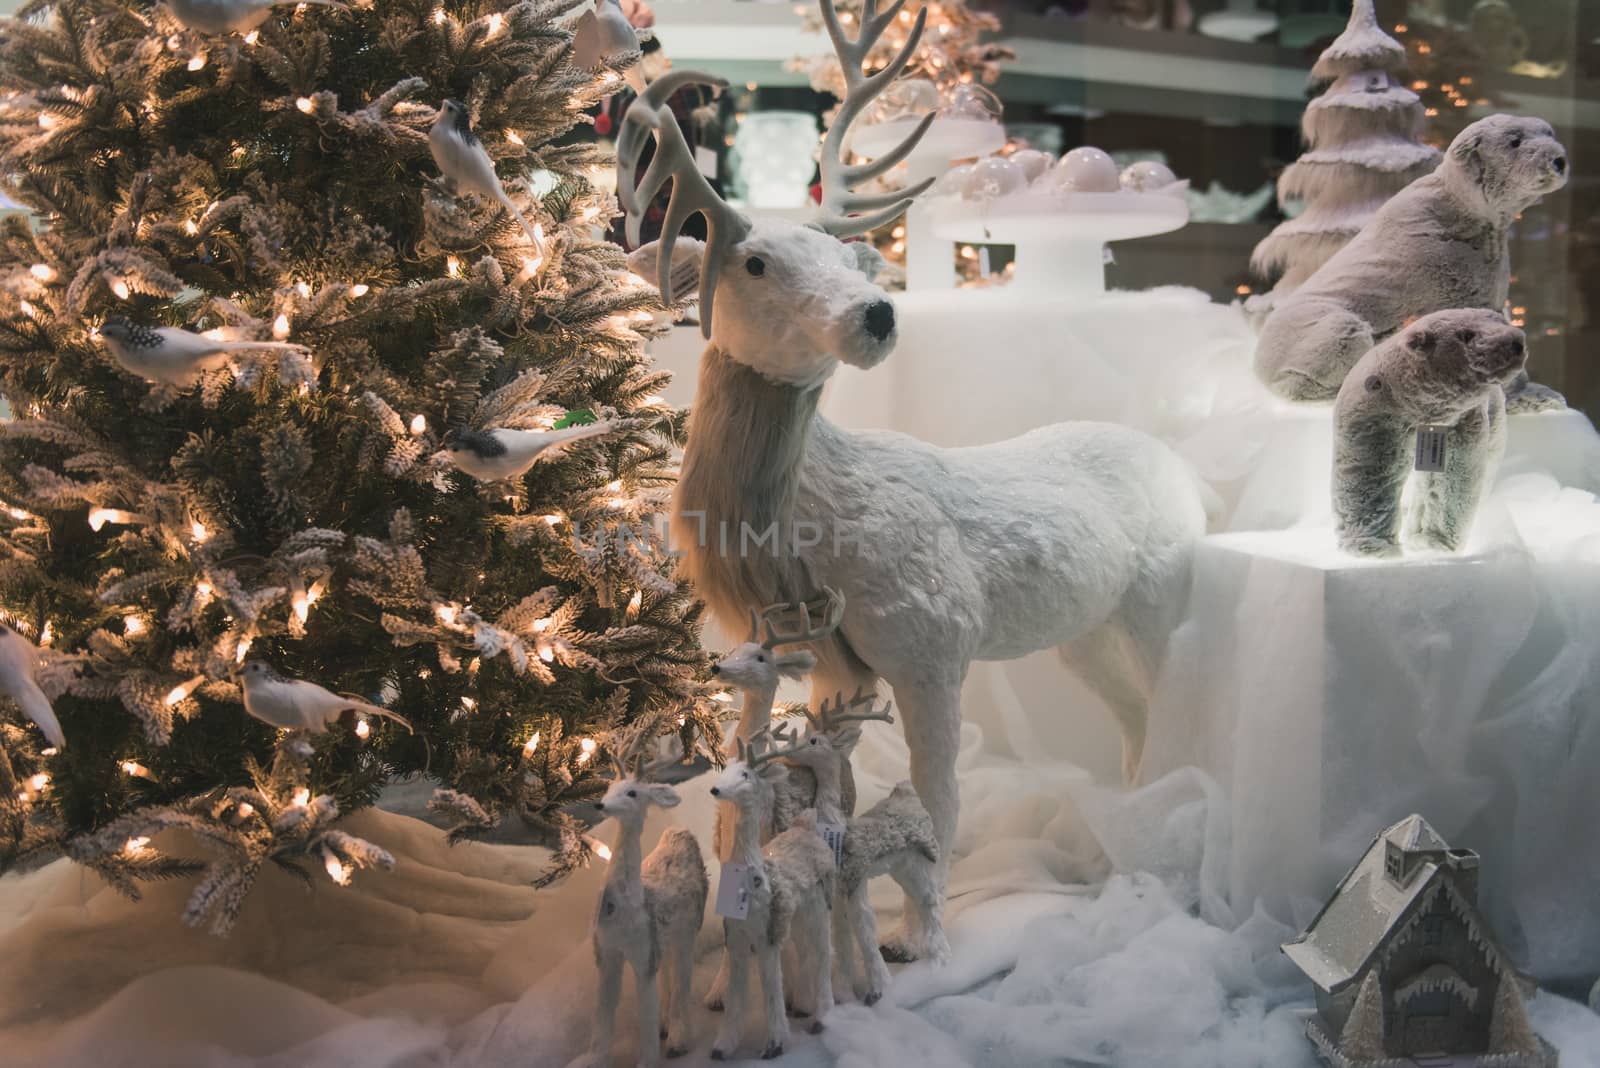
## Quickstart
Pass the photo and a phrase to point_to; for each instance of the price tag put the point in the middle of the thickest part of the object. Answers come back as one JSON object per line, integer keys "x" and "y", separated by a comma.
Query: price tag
{"x": 733, "y": 891}
{"x": 833, "y": 835}
{"x": 1431, "y": 447}
{"x": 706, "y": 159}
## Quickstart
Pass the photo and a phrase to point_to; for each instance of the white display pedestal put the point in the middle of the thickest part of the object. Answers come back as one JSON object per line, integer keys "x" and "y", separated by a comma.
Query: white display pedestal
{"x": 1291, "y": 482}
{"x": 1330, "y": 696}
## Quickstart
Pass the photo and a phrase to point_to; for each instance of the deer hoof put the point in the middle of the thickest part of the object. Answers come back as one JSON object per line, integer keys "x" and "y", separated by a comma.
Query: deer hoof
{"x": 774, "y": 1049}
{"x": 894, "y": 953}
{"x": 718, "y": 1055}
{"x": 798, "y": 1014}
{"x": 815, "y": 1028}
{"x": 872, "y": 997}
{"x": 714, "y": 1004}
{"x": 678, "y": 1051}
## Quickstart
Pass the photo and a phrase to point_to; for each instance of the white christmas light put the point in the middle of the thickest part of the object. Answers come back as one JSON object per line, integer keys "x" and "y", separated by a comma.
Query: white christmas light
{"x": 303, "y": 288}
{"x": 252, "y": 37}
{"x": 654, "y": 399}
{"x": 469, "y": 703}
{"x": 134, "y": 846}
{"x": 43, "y": 272}
{"x": 47, "y": 120}
{"x": 635, "y": 603}
{"x": 601, "y": 850}
{"x": 243, "y": 650}
{"x": 419, "y": 424}
{"x": 553, "y": 519}
{"x": 99, "y": 517}
{"x": 184, "y": 689}
{"x": 280, "y": 327}
{"x": 27, "y": 308}
{"x": 546, "y": 653}
{"x": 190, "y": 227}
{"x": 530, "y": 745}
{"x": 135, "y": 769}
{"x": 495, "y": 21}
{"x": 202, "y": 590}
{"x": 198, "y": 531}
{"x": 305, "y": 104}
{"x": 302, "y": 798}
{"x": 132, "y": 624}
{"x": 302, "y": 605}
{"x": 197, "y": 61}
{"x": 360, "y": 289}
{"x": 245, "y": 810}
{"x": 452, "y": 266}
{"x": 363, "y": 728}
{"x": 514, "y": 137}
{"x": 587, "y": 747}
{"x": 446, "y": 614}
{"x": 120, "y": 288}
{"x": 541, "y": 625}
{"x": 438, "y": 16}
{"x": 20, "y": 513}
{"x": 38, "y": 782}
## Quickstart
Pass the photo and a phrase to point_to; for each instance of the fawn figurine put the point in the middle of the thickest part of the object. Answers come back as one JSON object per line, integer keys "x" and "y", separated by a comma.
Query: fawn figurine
{"x": 894, "y": 837}
{"x": 649, "y": 914}
{"x": 764, "y": 892}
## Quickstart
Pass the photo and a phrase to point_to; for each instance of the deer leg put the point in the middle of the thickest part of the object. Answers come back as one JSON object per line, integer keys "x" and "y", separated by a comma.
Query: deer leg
{"x": 679, "y": 975}
{"x": 844, "y": 942}
{"x": 865, "y": 926}
{"x": 932, "y": 713}
{"x": 1107, "y": 660}
{"x": 606, "y": 1017}
{"x": 644, "y": 988}
{"x": 918, "y": 877}
{"x": 770, "y": 961}
{"x": 719, "y": 984}
{"x": 737, "y": 960}
{"x": 822, "y": 977}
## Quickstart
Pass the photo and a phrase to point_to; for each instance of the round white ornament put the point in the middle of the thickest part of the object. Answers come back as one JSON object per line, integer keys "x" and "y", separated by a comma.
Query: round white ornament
{"x": 1087, "y": 170}
{"x": 1148, "y": 176}
{"x": 993, "y": 177}
{"x": 953, "y": 182}
{"x": 1032, "y": 162}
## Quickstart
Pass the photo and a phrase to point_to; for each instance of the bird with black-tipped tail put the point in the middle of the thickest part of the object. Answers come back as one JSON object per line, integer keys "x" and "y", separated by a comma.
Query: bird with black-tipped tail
{"x": 174, "y": 357}
{"x": 296, "y": 704}
{"x": 463, "y": 160}
{"x": 491, "y": 455}
{"x": 19, "y": 680}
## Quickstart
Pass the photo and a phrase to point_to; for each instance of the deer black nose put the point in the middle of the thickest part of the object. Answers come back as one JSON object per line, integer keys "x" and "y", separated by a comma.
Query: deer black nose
{"x": 1560, "y": 164}
{"x": 880, "y": 319}
{"x": 715, "y": 670}
{"x": 600, "y": 805}
{"x": 1516, "y": 346}
{"x": 715, "y": 792}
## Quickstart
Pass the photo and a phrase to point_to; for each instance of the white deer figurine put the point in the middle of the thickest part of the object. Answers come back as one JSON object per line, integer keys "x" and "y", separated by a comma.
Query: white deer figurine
{"x": 790, "y": 884}
{"x": 1076, "y": 536}
{"x": 894, "y": 837}
{"x": 649, "y": 914}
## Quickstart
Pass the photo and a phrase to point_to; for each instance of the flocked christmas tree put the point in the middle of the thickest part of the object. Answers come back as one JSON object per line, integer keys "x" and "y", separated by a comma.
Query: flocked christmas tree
{"x": 179, "y": 504}
{"x": 1364, "y": 136}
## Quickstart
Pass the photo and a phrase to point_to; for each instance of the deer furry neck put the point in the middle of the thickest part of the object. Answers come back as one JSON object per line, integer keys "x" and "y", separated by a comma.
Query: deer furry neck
{"x": 741, "y": 474}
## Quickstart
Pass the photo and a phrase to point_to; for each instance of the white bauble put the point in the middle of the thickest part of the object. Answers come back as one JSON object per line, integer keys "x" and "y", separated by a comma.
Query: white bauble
{"x": 1148, "y": 176}
{"x": 1033, "y": 162}
{"x": 953, "y": 182}
{"x": 993, "y": 177}
{"x": 972, "y": 102}
{"x": 1087, "y": 170}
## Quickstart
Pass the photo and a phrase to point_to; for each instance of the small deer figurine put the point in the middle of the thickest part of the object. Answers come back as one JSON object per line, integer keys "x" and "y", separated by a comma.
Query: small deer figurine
{"x": 649, "y": 913}
{"x": 894, "y": 837}
{"x": 1076, "y": 537}
{"x": 789, "y": 883}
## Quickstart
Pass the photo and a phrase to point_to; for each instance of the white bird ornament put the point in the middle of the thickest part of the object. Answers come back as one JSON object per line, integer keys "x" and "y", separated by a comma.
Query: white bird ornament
{"x": 602, "y": 35}
{"x": 463, "y": 159}
{"x": 232, "y": 16}
{"x": 492, "y": 455}
{"x": 19, "y": 675}
{"x": 295, "y": 704}
{"x": 174, "y": 357}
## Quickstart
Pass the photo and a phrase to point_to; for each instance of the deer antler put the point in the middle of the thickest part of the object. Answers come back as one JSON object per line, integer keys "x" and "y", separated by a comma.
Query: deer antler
{"x": 832, "y": 616}
{"x": 691, "y": 192}
{"x": 756, "y": 618}
{"x": 842, "y": 712}
{"x": 838, "y": 178}
{"x": 793, "y": 744}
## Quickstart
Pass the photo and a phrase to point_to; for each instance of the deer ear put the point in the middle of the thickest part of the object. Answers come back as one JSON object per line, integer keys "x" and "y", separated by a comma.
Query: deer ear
{"x": 796, "y": 664}
{"x": 1467, "y": 152}
{"x": 687, "y": 255}
{"x": 846, "y": 737}
{"x": 774, "y": 772}
{"x": 664, "y": 797}
{"x": 869, "y": 261}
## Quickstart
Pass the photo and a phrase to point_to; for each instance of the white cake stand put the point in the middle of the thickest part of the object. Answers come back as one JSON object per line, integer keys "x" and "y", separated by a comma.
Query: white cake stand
{"x": 928, "y": 260}
{"x": 1060, "y": 237}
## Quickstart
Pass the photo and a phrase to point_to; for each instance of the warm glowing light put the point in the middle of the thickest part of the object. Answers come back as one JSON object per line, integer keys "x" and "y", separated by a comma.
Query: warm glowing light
{"x": 495, "y": 21}
{"x": 360, "y": 289}
{"x": 601, "y": 850}
{"x": 135, "y": 769}
{"x": 280, "y": 327}
{"x": 1242, "y": 290}
{"x": 553, "y": 519}
{"x": 28, "y": 309}
{"x": 531, "y": 744}
{"x": 190, "y": 228}
{"x": 99, "y": 517}
{"x": 446, "y": 614}
{"x": 530, "y": 266}
{"x": 635, "y": 602}
{"x": 301, "y": 604}
{"x": 419, "y": 424}
{"x": 438, "y": 16}
{"x": 47, "y": 120}
{"x": 38, "y": 782}
{"x": 363, "y": 728}
{"x": 134, "y": 846}
{"x": 547, "y": 654}
{"x": 203, "y": 588}
{"x": 198, "y": 531}
{"x": 20, "y": 513}
{"x": 303, "y": 288}
{"x": 587, "y": 745}
{"x": 197, "y": 61}
{"x": 184, "y": 689}
{"x": 132, "y": 625}
{"x": 302, "y": 798}
{"x": 470, "y": 704}
{"x": 305, "y": 104}
{"x": 49, "y": 751}
{"x": 452, "y": 266}
{"x": 968, "y": 252}
{"x": 338, "y": 870}
{"x": 611, "y": 76}
{"x": 243, "y": 650}
{"x": 120, "y": 288}
{"x": 541, "y": 625}
{"x": 316, "y": 591}
{"x": 43, "y": 272}
{"x": 245, "y": 810}
{"x": 48, "y": 634}
{"x": 252, "y": 37}
{"x": 514, "y": 137}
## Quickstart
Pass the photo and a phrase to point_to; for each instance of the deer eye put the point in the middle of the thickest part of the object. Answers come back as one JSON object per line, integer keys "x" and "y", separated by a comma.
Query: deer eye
{"x": 744, "y": 775}
{"x": 756, "y": 266}
{"x": 813, "y": 741}
{"x": 760, "y": 659}
{"x": 1516, "y": 140}
{"x": 633, "y": 793}
{"x": 1468, "y": 336}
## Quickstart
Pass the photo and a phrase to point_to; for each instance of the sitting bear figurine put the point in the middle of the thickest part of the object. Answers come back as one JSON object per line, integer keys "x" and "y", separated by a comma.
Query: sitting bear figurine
{"x": 1447, "y": 369}
{"x": 1438, "y": 243}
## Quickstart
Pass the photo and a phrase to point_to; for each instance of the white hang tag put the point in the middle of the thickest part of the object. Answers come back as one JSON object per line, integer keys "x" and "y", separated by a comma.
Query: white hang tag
{"x": 833, "y": 835}
{"x": 706, "y": 159}
{"x": 1431, "y": 447}
{"x": 733, "y": 891}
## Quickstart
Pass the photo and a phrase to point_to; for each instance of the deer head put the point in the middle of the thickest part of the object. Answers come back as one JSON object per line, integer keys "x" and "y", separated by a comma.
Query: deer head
{"x": 788, "y": 301}
{"x": 634, "y": 790}
{"x": 758, "y": 665}
{"x": 748, "y": 779}
{"x": 834, "y": 729}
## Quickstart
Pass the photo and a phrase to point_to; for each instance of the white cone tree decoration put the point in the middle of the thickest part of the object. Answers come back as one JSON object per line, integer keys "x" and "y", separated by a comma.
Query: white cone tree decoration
{"x": 1363, "y": 136}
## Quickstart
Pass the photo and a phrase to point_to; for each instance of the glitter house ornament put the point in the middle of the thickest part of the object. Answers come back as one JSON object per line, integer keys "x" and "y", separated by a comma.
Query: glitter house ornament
{"x": 1407, "y": 971}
